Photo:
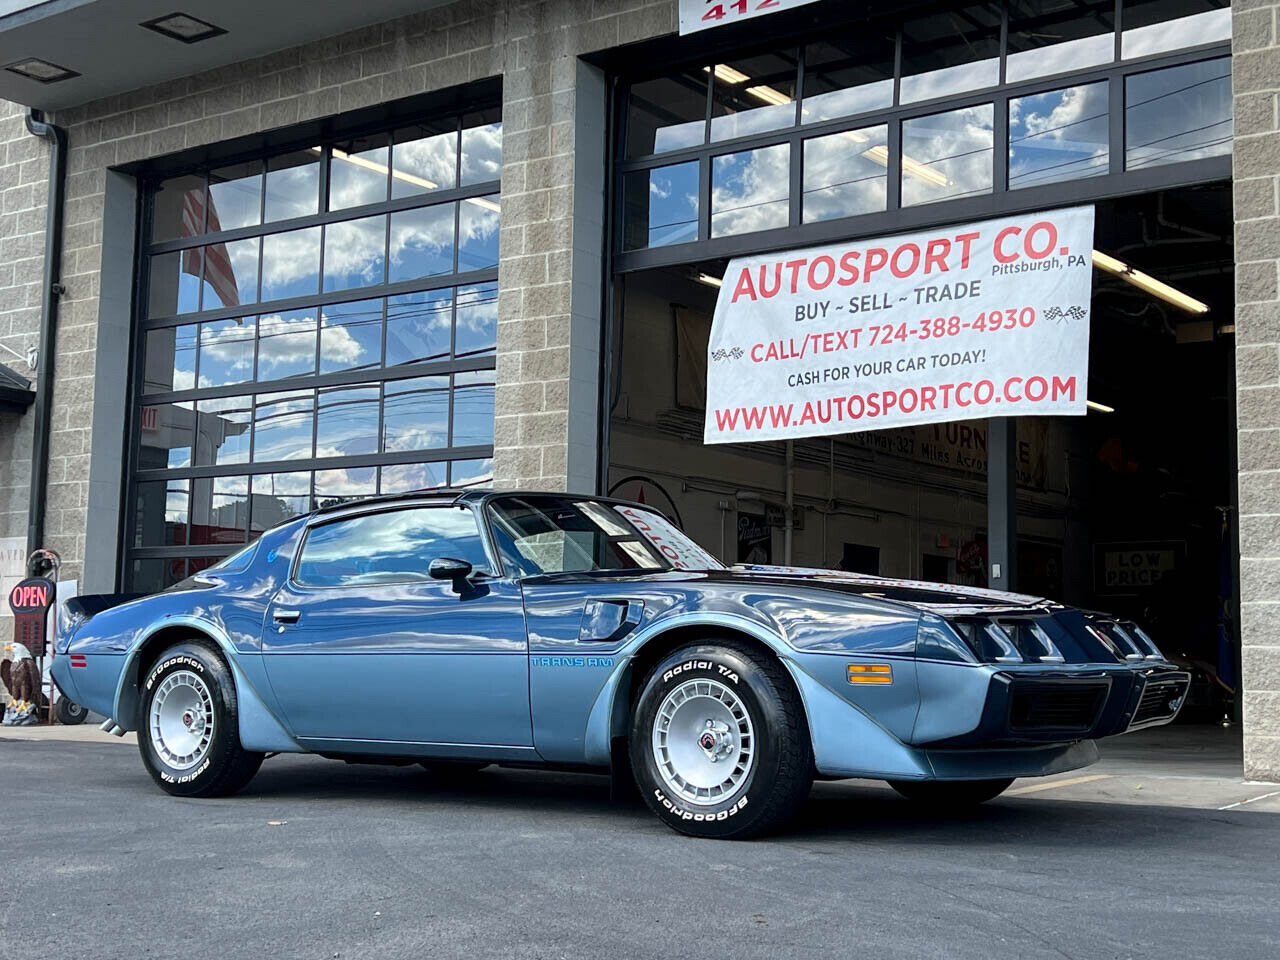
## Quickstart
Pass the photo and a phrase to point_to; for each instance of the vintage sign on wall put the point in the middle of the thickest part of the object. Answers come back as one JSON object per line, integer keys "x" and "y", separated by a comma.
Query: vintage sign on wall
{"x": 983, "y": 320}
{"x": 698, "y": 15}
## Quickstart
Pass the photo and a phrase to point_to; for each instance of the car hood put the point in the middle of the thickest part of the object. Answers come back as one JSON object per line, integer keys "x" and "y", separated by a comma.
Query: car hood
{"x": 940, "y": 598}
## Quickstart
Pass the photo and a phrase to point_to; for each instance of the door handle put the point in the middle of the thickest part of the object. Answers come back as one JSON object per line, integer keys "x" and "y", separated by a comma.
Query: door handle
{"x": 285, "y": 616}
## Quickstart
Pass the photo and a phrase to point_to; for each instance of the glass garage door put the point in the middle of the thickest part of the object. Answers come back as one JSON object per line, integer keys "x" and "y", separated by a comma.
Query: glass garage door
{"x": 314, "y": 326}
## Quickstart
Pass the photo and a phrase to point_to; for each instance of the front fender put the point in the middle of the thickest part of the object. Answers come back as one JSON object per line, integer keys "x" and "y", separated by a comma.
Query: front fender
{"x": 259, "y": 728}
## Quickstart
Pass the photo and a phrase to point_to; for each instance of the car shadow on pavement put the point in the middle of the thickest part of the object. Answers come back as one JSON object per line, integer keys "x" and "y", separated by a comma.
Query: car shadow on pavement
{"x": 861, "y": 811}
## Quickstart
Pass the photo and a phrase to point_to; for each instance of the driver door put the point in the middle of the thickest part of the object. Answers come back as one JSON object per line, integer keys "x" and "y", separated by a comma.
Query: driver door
{"x": 361, "y": 644}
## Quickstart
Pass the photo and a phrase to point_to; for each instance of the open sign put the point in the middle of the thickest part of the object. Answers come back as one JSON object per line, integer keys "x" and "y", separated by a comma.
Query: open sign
{"x": 33, "y": 595}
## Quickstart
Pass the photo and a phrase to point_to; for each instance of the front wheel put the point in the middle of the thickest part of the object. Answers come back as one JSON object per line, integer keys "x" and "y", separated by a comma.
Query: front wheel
{"x": 188, "y": 724}
{"x": 950, "y": 794}
{"x": 719, "y": 743}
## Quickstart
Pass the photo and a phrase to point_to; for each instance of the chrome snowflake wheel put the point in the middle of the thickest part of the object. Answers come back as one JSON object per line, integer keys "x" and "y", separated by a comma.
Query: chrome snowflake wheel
{"x": 703, "y": 742}
{"x": 182, "y": 720}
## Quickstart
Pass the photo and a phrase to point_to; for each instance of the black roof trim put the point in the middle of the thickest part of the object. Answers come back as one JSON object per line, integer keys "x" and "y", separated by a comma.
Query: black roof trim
{"x": 15, "y": 390}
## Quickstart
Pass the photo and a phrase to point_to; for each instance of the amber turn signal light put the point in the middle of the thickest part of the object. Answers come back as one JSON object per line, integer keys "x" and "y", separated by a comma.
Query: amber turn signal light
{"x": 870, "y": 673}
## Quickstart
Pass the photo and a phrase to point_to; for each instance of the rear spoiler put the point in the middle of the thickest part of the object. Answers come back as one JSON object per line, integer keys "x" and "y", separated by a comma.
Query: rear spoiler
{"x": 90, "y": 605}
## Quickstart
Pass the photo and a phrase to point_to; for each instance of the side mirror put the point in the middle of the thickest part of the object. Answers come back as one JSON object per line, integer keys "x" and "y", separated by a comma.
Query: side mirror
{"x": 449, "y": 568}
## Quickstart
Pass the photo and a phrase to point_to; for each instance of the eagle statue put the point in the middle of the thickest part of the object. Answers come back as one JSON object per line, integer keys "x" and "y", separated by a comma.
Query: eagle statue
{"x": 21, "y": 678}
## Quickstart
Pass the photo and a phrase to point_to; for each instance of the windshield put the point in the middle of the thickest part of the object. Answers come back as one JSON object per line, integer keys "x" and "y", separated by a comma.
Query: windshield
{"x": 545, "y": 533}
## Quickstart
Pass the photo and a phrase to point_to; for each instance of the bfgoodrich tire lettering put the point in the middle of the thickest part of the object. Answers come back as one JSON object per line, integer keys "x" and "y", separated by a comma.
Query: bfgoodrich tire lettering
{"x": 720, "y": 699}
{"x": 188, "y": 724}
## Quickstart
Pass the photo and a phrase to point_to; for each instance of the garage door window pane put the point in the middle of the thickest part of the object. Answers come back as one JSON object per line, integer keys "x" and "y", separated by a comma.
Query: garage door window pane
{"x": 847, "y": 77}
{"x": 947, "y": 155}
{"x": 403, "y": 477}
{"x": 422, "y": 242}
{"x": 481, "y": 149}
{"x": 219, "y": 509}
{"x": 1061, "y": 135}
{"x": 415, "y": 414}
{"x": 661, "y": 206}
{"x": 753, "y": 95}
{"x": 477, "y": 320}
{"x": 945, "y": 54}
{"x": 291, "y": 264}
{"x": 177, "y": 208}
{"x": 845, "y": 173}
{"x": 418, "y": 326}
{"x": 471, "y": 473}
{"x": 282, "y": 426}
{"x": 473, "y": 408}
{"x": 293, "y": 185}
{"x": 161, "y": 517}
{"x": 278, "y": 497}
{"x": 423, "y": 159}
{"x": 230, "y": 274}
{"x": 287, "y": 344}
{"x": 750, "y": 190}
{"x": 479, "y": 220}
{"x": 222, "y": 431}
{"x": 355, "y": 253}
{"x": 350, "y": 335}
{"x": 359, "y": 173}
{"x": 235, "y": 197}
{"x": 667, "y": 114}
{"x": 1183, "y": 113}
{"x": 174, "y": 280}
{"x": 1158, "y": 26}
{"x": 1049, "y": 36}
{"x": 170, "y": 359}
{"x": 347, "y": 422}
{"x": 167, "y": 429}
{"x": 226, "y": 351}
{"x": 338, "y": 486}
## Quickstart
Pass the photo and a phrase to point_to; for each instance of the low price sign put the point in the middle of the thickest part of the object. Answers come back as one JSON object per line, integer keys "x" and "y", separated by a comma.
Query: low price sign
{"x": 698, "y": 15}
{"x": 988, "y": 319}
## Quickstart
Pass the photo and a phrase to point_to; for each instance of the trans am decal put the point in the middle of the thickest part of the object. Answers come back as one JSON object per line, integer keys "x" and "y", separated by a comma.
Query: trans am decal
{"x": 571, "y": 661}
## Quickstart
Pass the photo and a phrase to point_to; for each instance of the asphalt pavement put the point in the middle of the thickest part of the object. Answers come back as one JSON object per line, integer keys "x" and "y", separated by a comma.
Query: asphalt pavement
{"x": 318, "y": 859}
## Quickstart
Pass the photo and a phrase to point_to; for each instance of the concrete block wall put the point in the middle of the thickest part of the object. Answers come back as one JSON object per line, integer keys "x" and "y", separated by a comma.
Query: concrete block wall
{"x": 24, "y": 181}
{"x": 532, "y": 44}
{"x": 1256, "y": 94}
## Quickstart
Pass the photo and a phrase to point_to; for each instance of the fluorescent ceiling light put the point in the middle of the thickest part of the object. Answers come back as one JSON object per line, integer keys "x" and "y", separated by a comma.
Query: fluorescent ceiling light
{"x": 404, "y": 176}
{"x": 1148, "y": 283}
{"x": 184, "y": 27}
{"x": 709, "y": 280}
{"x": 1099, "y": 407}
{"x": 880, "y": 154}
{"x": 41, "y": 71}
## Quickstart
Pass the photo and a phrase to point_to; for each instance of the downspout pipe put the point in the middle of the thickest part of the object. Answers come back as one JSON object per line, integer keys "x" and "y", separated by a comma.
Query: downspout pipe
{"x": 53, "y": 289}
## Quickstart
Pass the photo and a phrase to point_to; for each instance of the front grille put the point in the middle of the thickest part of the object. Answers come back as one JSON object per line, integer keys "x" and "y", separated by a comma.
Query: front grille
{"x": 1069, "y": 707}
{"x": 1160, "y": 701}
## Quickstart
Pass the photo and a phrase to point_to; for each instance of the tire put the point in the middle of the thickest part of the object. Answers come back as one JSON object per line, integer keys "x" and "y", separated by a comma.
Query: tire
{"x": 69, "y": 712}
{"x": 757, "y": 729}
{"x": 950, "y": 794}
{"x": 188, "y": 724}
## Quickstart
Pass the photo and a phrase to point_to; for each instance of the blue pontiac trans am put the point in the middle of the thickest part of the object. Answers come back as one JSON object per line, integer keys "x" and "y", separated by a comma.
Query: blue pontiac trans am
{"x": 463, "y": 628}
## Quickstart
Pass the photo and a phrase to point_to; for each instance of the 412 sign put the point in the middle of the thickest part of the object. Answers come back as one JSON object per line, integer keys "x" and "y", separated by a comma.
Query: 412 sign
{"x": 698, "y": 15}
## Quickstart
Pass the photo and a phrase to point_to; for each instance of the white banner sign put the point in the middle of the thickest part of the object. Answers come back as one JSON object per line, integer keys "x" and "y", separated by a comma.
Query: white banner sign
{"x": 983, "y": 320}
{"x": 698, "y": 15}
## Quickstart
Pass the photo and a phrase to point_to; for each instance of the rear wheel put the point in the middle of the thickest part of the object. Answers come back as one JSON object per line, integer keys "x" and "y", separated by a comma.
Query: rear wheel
{"x": 944, "y": 794}
{"x": 188, "y": 725}
{"x": 719, "y": 744}
{"x": 69, "y": 712}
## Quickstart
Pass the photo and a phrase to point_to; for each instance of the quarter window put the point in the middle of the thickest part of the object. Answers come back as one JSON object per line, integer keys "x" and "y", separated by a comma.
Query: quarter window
{"x": 396, "y": 546}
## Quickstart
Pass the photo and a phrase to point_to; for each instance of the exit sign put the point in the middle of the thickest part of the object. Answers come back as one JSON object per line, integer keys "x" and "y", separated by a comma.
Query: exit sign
{"x": 698, "y": 15}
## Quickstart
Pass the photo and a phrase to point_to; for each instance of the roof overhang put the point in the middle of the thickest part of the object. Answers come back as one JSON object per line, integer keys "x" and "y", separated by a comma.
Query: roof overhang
{"x": 106, "y": 46}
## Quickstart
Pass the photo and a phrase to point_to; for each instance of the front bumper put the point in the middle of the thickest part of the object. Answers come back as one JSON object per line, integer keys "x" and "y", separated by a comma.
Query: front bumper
{"x": 1025, "y": 707}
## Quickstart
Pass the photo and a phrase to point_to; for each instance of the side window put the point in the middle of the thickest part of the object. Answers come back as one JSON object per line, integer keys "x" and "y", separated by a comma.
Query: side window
{"x": 395, "y": 546}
